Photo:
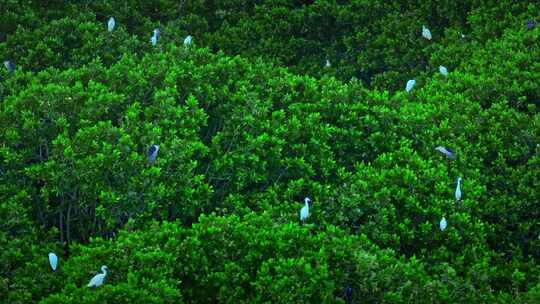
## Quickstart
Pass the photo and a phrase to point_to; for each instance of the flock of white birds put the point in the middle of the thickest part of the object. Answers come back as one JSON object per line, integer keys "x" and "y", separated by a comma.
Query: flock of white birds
{"x": 155, "y": 33}
{"x": 426, "y": 33}
{"x": 98, "y": 279}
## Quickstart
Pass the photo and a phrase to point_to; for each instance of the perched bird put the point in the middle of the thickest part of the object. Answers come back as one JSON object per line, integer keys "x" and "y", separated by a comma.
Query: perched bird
{"x": 410, "y": 85}
{"x": 443, "y": 70}
{"x": 426, "y": 33}
{"x": 327, "y": 65}
{"x": 443, "y": 224}
{"x": 348, "y": 295}
{"x": 53, "y": 260}
{"x": 188, "y": 40}
{"x": 111, "y": 24}
{"x": 458, "y": 190}
{"x": 97, "y": 280}
{"x": 157, "y": 32}
{"x": 155, "y": 35}
{"x": 304, "y": 212}
{"x": 152, "y": 153}
{"x": 446, "y": 151}
{"x": 530, "y": 24}
{"x": 10, "y": 67}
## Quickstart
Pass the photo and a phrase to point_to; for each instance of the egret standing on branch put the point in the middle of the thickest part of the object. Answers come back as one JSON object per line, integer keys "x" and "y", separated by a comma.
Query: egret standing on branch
{"x": 152, "y": 153}
{"x": 443, "y": 224}
{"x": 97, "y": 280}
{"x": 10, "y": 67}
{"x": 426, "y": 33}
{"x": 304, "y": 212}
{"x": 155, "y": 35}
{"x": 410, "y": 85}
{"x": 458, "y": 190}
{"x": 53, "y": 260}
{"x": 188, "y": 40}
{"x": 443, "y": 70}
{"x": 111, "y": 24}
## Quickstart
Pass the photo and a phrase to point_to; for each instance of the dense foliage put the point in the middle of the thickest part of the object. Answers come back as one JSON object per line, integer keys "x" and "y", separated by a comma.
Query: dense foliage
{"x": 249, "y": 121}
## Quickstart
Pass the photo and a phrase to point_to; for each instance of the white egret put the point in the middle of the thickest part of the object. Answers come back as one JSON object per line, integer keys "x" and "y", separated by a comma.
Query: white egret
{"x": 188, "y": 40}
{"x": 53, "y": 260}
{"x": 111, "y": 24}
{"x": 10, "y": 67}
{"x": 327, "y": 65}
{"x": 97, "y": 280}
{"x": 458, "y": 190}
{"x": 410, "y": 85}
{"x": 443, "y": 70}
{"x": 152, "y": 153}
{"x": 426, "y": 33}
{"x": 304, "y": 212}
{"x": 155, "y": 34}
{"x": 443, "y": 224}
{"x": 446, "y": 151}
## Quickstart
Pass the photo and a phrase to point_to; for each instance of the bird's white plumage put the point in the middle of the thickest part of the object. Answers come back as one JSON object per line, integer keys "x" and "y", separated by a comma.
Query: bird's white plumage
{"x": 449, "y": 153}
{"x": 153, "y": 40}
{"x": 458, "y": 189}
{"x": 152, "y": 153}
{"x": 426, "y": 33}
{"x": 97, "y": 280}
{"x": 443, "y": 224}
{"x": 9, "y": 66}
{"x": 188, "y": 40}
{"x": 443, "y": 70}
{"x": 304, "y": 212}
{"x": 53, "y": 260}
{"x": 327, "y": 63}
{"x": 111, "y": 24}
{"x": 410, "y": 85}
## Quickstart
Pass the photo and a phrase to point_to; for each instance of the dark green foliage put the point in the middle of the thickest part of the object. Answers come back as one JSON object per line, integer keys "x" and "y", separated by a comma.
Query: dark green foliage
{"x": 249, "y": 122}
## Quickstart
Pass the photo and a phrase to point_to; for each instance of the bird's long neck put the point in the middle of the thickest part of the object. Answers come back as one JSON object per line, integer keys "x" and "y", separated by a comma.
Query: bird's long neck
{"x": 104, "y": 271}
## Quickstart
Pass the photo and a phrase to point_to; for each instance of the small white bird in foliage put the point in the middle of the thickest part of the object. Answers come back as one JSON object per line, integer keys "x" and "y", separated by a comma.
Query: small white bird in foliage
{"x": 443, "y": 70}
{"x": 426, "y": 33}
{"x": 458, "y": 190}
{"x": 327, "y": 65}
{"x": 304, "y": 212}
{"x": 446, "y": 151}
{"x": 111, "y": 24}
{"x": 410, "y": 85}
{"x": 53, "y": 260}
{"x": 152, "y": 153}
{"x": 10, "y": 67}
{"x": 157, "y": 32}
{"x": 188, "y": 40}
{"x": 155, "y": 35}
{"x": 97, "y": 280}
{"x": 443, "y": 224}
